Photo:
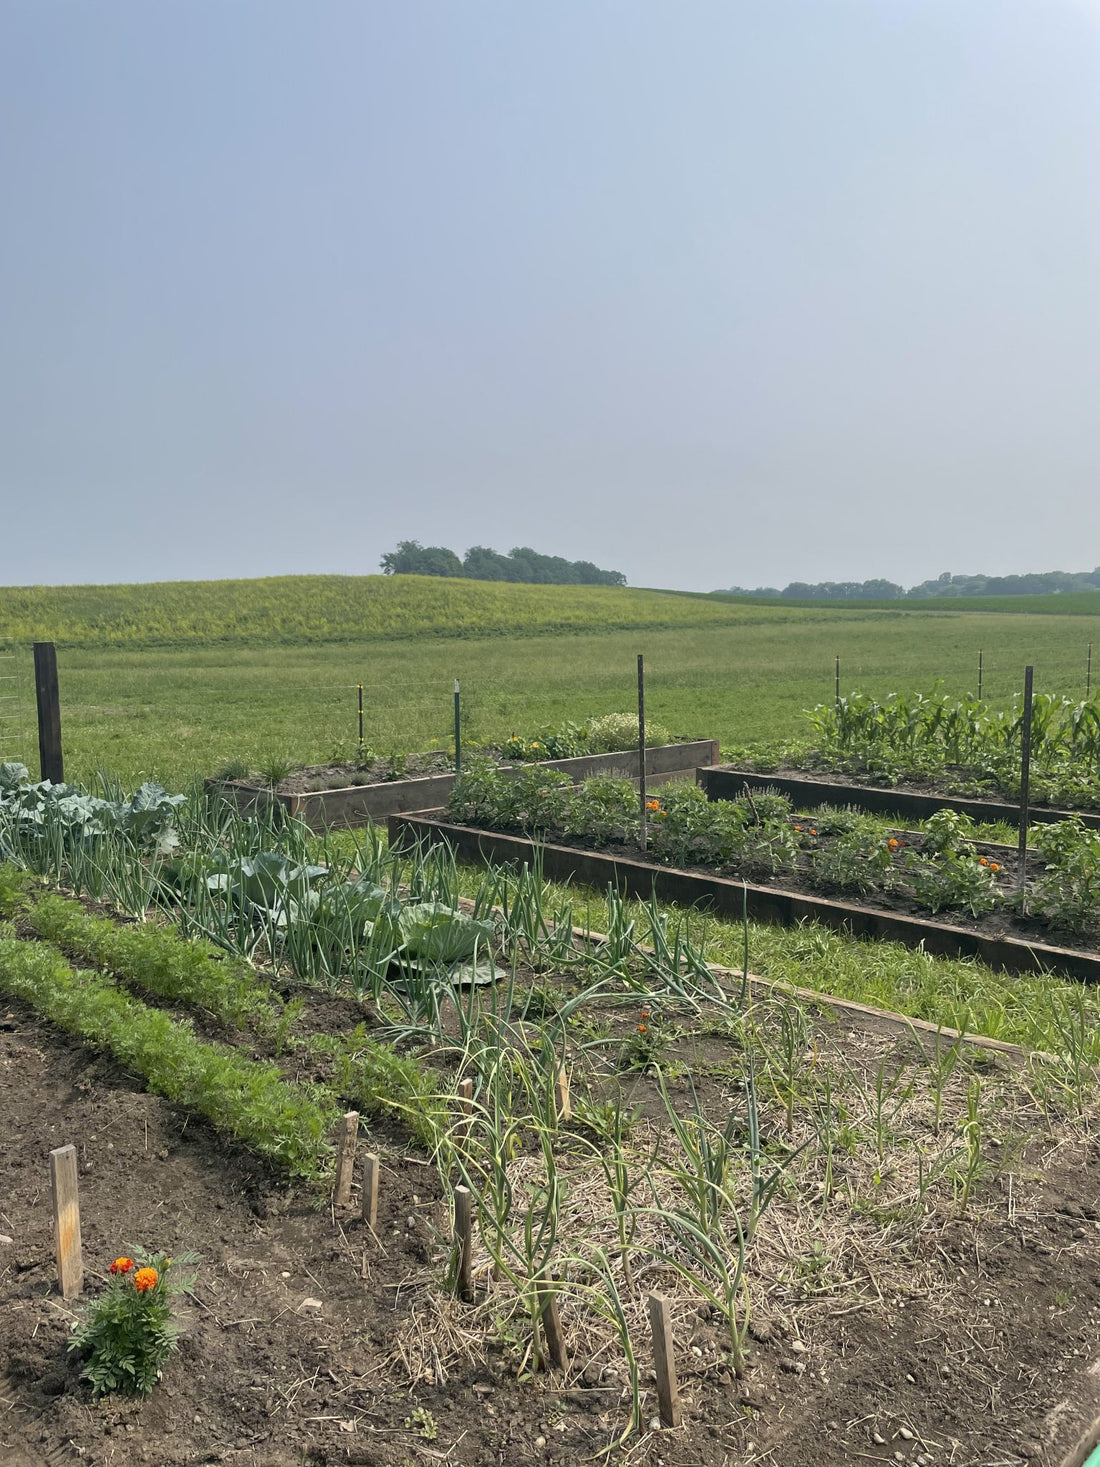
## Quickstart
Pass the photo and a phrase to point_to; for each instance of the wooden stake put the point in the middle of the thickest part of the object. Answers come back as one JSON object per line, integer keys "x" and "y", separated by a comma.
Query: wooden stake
{"x": 370, "y": 1190}
{"x": 466, "y": 1108}
{"x": 50, "y": 760}
{"x": 668, "y": 1391}
{"x": 464, "y": 1240}
{"x": 561, "y": 1093}
{"x": 346, "y": 1138}
{"x": 551, "y": 1322}
{"x": 66, "y": 1221}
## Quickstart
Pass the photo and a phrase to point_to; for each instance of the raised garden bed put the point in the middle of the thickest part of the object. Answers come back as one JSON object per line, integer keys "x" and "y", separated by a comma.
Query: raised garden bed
{"x": 361, "y": 804}
{"x": 726, "y": 782}
{"x": 728, "y": 896}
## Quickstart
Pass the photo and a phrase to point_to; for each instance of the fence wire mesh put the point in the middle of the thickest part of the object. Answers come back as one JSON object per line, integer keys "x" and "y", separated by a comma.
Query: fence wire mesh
{"x": 15, "y": 720}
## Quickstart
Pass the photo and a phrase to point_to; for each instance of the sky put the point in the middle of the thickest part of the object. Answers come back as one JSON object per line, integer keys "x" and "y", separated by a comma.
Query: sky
{"x": 712, "y": 292}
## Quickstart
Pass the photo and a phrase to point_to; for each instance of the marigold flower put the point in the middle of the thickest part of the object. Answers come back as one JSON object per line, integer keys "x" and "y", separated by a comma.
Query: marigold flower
{"x": 812, "y": 830}
{"x": 993, "y": 866}
{"x": 645, "y": 1013}
{"x": 893, "y": 843}
{"x": 653, "y": 804}
{"x": 121, "y": 1265}
{"x": 982, "y": 861}
{"x": 799, "y": 829}
{"x": 145, "y": 1278}
{"x": 641, "y": 1028}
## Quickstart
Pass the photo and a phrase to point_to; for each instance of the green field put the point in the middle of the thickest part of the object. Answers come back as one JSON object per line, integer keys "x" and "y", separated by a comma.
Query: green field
{"x": 173, "y": 680}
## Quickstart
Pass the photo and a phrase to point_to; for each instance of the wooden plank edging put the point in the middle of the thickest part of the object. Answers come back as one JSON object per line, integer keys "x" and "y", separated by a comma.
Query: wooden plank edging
{"x": 725, "y": 895}
{"x": 726, "y": 782}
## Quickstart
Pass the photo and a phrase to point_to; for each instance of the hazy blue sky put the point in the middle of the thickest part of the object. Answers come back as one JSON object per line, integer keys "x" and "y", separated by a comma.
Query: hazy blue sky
{"x": 733, "y": 292}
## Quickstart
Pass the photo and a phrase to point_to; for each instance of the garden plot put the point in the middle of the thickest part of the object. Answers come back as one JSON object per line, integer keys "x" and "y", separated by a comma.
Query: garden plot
{"x": 870, "y": 1240}
{"x": 921, "y": 1275}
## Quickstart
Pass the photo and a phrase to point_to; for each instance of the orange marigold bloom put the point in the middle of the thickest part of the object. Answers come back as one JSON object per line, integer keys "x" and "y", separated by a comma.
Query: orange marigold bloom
{"x": 641, "y": 1029}
{"x": 993, "y": 866}
{"x": 653, "y": 804}
{"x": 893, "y": 843}
{"x": 121, "y": 1265}
{"x": 145, "y": 1278}
{"x": 799, "y": 829}
{"x": 812, "y": 830}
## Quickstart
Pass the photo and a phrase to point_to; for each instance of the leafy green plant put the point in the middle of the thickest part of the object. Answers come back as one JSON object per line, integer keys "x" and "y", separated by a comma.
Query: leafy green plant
{"x": 1067, "y": 891}
{"x": 646, "y": 1046}
{"x": 275, "y": 768}
{"x": 245, "y": 1098}
{"x": 859, "y": 859}
{"x": 619, "y": 731}
{"x": 159, "y": 959}
{"x": 604, "y": 810}
{"x": 129, "y": 1332}
{"x": 954, "y": 880}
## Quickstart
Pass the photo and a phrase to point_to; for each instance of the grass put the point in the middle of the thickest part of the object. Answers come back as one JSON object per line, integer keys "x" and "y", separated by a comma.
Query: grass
{"x": 174, "y": 681}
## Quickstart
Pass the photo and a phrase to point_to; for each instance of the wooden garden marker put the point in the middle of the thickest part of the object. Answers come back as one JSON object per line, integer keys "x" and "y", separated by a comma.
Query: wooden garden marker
{"x": 551, "y": 1322}
{"x": 464, "y": 1240}
{"x": 370, "y": 1190}
{"x": 668, "y": 1392}
{"x": 561, "y": 1093}
{"x": 346, "y": 1138}
{"x": 66, "y": 1221}
{"x": 50, "y": 758}
{"x": 466, "y": 1107}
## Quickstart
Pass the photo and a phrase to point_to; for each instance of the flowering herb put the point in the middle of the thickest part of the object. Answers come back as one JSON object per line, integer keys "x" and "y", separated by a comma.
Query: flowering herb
{"x": 129, "y": 1332}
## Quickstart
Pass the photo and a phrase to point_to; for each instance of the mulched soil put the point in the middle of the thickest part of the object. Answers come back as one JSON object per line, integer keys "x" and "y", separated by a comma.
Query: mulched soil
{"x": 382, "y": 770}
{"x": 981, "y": 1346}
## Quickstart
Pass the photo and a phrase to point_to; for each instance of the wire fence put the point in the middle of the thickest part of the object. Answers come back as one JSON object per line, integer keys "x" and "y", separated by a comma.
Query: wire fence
{"x": 188, "y": 717}
{"x": 974, "y": 674}
{"x": 14, "y": 719}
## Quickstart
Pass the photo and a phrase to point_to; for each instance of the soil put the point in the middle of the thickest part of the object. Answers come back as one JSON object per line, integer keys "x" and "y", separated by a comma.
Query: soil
{"x": 383, "y": 770}
{"x": 310, "y": 1341}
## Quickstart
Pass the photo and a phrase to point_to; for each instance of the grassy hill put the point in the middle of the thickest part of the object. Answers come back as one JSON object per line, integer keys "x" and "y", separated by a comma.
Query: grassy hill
{"x": 298, "y": 610}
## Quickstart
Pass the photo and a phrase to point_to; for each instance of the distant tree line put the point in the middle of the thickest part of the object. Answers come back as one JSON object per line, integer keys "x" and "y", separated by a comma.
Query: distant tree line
{"x": 1038, "y": 583}
{"x": 482, "y": 564}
